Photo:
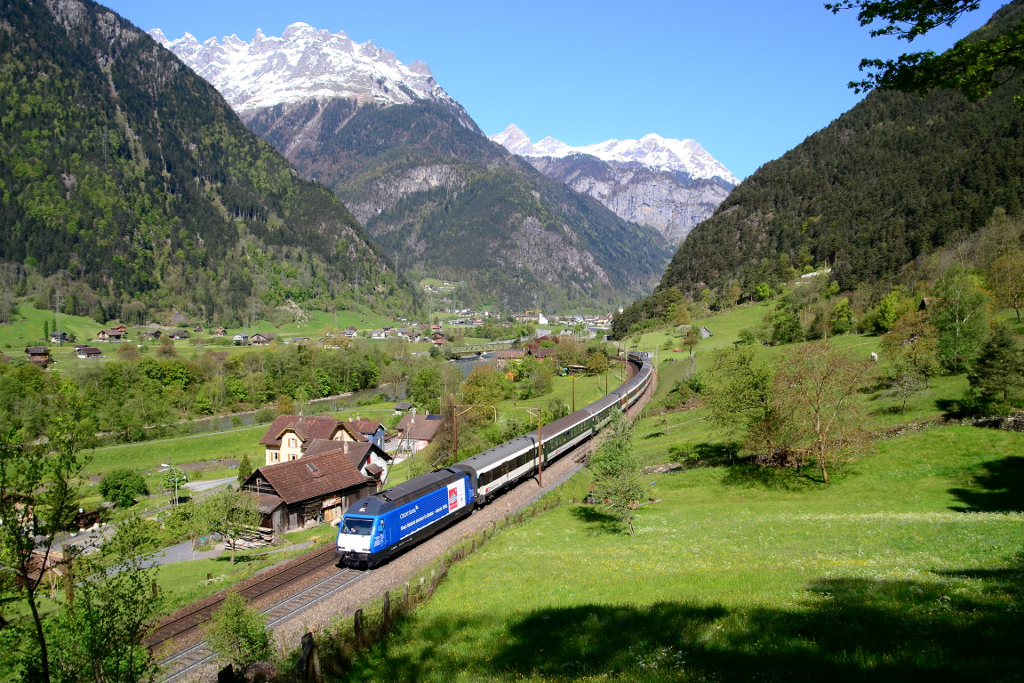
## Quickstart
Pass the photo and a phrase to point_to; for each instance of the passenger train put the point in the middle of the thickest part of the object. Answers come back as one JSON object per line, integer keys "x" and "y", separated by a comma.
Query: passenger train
{"x": 380, "y": 526}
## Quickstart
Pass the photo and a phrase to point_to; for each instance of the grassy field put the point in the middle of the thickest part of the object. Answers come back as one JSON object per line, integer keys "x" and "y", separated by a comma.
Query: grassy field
{"x": 909, "y": 567}
{"x": 185, "y": 582}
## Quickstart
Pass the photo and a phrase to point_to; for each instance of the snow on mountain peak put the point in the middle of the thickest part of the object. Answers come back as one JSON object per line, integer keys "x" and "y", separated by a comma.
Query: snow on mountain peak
{"x": 303, "y": 63}
{"x": 652, "y": 150}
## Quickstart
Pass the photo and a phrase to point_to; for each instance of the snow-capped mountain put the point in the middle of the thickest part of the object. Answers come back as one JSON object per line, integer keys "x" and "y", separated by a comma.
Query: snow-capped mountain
{"x": 652, "y": 150}
{"x": 302, "y": 64}
{"x": 669, "y": 185}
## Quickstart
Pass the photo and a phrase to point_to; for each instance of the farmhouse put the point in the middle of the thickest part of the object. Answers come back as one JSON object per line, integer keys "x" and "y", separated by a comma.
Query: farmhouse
{"x": 415, "y": 432}
{"x": 318, "y": 488}
{"x": 289, "y": 436}
{"x": 88, "y": 352}
{"x": 40, "y": 355}
{"x": 178, "y": 334}
{"x": 261, "y": 338}
{"x": 112, "y": 335}
{"x": 240, "y": 338}
{"x": 370, "y": 460}
{"x": 373, "y": 431}
{"x": 152, "y": 335}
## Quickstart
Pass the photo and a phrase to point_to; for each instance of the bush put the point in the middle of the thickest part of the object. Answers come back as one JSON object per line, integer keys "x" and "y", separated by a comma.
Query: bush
{"x": 238, "y": 634}
{"x": 122, "y": 486}
{"x": 264, "y": 415}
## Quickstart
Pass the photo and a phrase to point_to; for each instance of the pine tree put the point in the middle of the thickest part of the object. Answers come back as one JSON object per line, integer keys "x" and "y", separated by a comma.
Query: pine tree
{"x": 245, "y": 468}
{"x": 999, "y": 368}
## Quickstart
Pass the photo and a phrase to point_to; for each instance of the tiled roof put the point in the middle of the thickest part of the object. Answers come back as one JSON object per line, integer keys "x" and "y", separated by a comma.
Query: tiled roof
{"x": 365, "y": 426}
{"x": 313, "y": 476}
{"x": 267, "y": 504}
{"x": 307, "y": 428}
{"x": 357, "y": 452}
{"x": 420, "y": 427}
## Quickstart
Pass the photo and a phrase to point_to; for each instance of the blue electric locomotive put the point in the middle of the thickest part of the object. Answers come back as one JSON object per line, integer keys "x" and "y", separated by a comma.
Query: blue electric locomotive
{"x": 381, "y": 525}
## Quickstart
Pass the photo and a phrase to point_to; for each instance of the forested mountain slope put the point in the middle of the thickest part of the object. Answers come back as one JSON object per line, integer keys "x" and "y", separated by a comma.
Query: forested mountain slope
{"x": 124, "y": 170}
{"x": 450, "y": 203}
{"x": 895, "y": 177}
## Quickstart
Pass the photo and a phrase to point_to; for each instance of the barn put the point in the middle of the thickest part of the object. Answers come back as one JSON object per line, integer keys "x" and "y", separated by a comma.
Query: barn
{"x": 313, "y": 489}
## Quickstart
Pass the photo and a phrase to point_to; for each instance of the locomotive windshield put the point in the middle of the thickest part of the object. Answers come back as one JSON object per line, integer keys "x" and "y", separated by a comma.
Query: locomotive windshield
{"x": 354, "y": 525}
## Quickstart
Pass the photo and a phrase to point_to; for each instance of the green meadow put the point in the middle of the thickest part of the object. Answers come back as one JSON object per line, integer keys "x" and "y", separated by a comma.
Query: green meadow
{"x": 908, "y": 567}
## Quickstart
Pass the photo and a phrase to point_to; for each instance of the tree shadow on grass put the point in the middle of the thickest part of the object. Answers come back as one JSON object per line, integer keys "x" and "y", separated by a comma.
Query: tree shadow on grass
{"x": 769, "y": 478}
{"x": 598, "y": 519}
{"x": 999, "y": 489}
{"x": 843, "y": 629}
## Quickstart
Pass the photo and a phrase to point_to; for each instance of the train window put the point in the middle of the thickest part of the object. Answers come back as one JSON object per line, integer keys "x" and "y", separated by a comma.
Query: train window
{"x": 354, "y": 525}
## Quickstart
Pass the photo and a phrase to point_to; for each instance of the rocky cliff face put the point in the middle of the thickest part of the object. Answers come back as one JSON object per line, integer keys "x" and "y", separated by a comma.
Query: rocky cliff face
{"x": 664, "y": 200}
{"x": 669, "y": 185}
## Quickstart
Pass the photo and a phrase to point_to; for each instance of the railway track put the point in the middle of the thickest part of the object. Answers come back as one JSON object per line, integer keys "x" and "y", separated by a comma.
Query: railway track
{"x": 183, "y": 623}
{"x": 188, "y": 660}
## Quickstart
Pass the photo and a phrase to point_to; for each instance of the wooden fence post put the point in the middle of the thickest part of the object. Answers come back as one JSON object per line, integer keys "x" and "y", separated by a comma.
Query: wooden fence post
{"x": 357, "y": 626}
{"x": 405, "y": 598}
{"x": 387, "y": 609}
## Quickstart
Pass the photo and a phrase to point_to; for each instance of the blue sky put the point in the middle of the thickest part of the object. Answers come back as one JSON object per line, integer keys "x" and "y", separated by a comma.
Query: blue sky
{"x": 748, "y": 79}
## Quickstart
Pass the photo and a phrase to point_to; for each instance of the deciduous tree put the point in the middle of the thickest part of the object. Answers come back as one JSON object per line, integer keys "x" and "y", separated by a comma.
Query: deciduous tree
{"x": 483, "y": 386}
{"x": 99, "y": 636}
{"x": 975, "y": 67}
{"x": 960, "y": 315}
{"x": 38, "y": 500}
{"x": 740, "y": 397}
{"x": 122, "y": 486}
{"x": 691, "y": 340}
{"x": 912, "y": 346}
{"x": 817, "y": 387}
{"x": 230, "y": 514}
{"x": 1007, "y": 281}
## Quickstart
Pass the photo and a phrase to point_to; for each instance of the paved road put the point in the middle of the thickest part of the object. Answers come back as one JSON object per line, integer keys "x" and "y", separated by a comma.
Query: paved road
{"x": 181, "y": 553}
{"x": 205, "y": 485}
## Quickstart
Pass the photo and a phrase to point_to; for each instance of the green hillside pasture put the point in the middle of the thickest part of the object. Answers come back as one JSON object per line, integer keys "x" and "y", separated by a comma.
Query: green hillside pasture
{"x": 883, "y": 411}
{"x": 27, "y": 329}
{"x": 909, "y": 568}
